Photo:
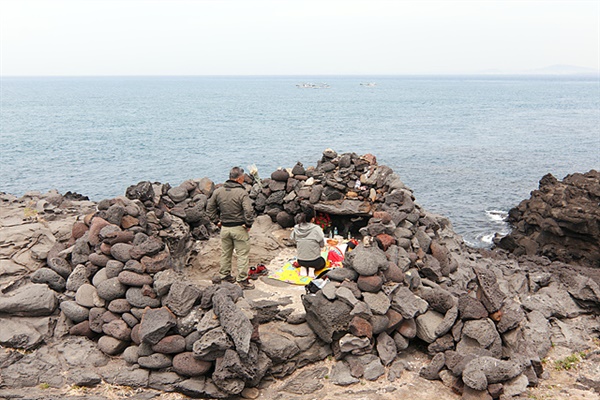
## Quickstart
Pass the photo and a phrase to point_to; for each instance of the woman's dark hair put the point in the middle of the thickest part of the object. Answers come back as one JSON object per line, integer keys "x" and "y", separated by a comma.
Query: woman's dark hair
{"x": 305, "y": 216}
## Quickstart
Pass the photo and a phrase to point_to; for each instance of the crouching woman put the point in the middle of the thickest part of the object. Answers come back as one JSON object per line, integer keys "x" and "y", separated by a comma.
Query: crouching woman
{"x": 309, "y": 239}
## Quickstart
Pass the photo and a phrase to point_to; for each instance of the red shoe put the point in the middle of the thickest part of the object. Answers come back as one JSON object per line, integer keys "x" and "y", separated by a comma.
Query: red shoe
{"x": 261, "y": 269}
{"x": 257, "y": 271}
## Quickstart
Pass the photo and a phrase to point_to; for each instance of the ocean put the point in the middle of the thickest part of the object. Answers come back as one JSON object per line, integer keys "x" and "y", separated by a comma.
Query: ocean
{"x": 470, "y": 147}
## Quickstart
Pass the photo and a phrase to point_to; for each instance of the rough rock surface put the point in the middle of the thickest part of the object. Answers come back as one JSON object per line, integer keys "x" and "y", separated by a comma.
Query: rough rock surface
{"x": 561, "y": 220}
{"x": 476, "y": 309}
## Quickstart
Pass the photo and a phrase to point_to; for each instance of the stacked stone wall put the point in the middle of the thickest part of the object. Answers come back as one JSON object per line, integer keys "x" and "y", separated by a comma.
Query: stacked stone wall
{"x": 118, "y": 280}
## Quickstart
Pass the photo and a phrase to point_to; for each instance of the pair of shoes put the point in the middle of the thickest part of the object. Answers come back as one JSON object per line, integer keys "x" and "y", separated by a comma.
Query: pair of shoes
{"x": 261, "y": 269}
{"x": 228, "y": 278}
{"x": 257, "y": 271}
{"x": 246, "y": 285}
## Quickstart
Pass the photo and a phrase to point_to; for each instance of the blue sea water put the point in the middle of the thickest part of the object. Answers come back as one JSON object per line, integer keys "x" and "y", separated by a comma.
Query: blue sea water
{"x": 471, "y": 147}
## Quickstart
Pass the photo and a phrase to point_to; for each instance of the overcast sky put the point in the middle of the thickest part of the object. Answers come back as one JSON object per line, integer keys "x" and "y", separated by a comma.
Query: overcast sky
{"x": 294, "y": 37}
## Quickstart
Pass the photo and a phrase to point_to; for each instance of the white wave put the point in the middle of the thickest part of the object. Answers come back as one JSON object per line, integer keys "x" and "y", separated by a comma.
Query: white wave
{"x": 487, "y": 238}
{"x": 496, "y": 215}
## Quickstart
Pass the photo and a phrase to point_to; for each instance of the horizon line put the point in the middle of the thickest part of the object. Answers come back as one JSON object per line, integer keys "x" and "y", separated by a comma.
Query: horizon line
{"x": 532, "y": 74}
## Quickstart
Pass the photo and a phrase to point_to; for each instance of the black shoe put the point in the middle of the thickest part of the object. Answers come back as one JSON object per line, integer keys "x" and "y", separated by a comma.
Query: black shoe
{"x": 228, "y": 278}
{"x": 246, "y": 285}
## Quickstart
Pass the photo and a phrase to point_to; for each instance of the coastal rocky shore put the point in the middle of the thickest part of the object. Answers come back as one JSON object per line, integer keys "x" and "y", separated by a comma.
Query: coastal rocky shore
{"x": 120, "y": 294}
{"x": 561, "y": 220}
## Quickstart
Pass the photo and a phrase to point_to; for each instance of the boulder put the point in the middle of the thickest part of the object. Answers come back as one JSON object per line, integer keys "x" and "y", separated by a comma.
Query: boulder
{"x": 341, "y": 376}
{"x": 118, "y": 329}
{"x": 33, "y": 300}
{"x": 142, "y": 297}
{"x": 23, "y": 333}
{"x": 471, "y": 308}
{"x": 60, "y": 266}
{"x": 432, "y": 371}
{"x": 407, "y": 303}
{"x": 50, "y": 278}
{"x": 278, "y": 347}
{"x": 155, "y": 361}
{"x": 155, "y": 324}
{"x": 378, "y": 302}
{"x": 181, "y": 298}
{"x": 80, "y": 275}
{"x": 121, "y": 251}
{"x": 87, "y": 296}
{"x": 370, "y": 284}
{"x": 427, "y": 325}
{"x": 110, "y": 345}
{"x": 386, "y": 348}
{"x": 482, "y": 371}
{"x": 234, "y": 322}
{"x": 172, "y": 344}
{"x": 366, "y": 261}
{"x": 130, "y": 278}
{"x": 491, "y": 295}
{"x": 212, "y": 345}
{"x": 187, "y": 365}
{"x": 326, "y": 317}
{"x": 111, "y": 289}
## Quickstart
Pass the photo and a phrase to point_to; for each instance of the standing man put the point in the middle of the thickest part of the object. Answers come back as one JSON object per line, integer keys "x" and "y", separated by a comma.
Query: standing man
{"x": 231, "y": 209}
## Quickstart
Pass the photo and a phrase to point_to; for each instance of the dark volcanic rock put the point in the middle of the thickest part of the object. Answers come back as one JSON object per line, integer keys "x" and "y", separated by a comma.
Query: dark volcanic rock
{"x": 492, "y": 297}
{"x": 366, "y": 260}
{"x": 155, "y": 324}
{"x": 143, "y": 191}
{"x": 471, "y": 308}
{"x": 484, "y": 370}
{"x": 181, "y": 298}
{"x": 50, "y": 278}
{"x": 155, "y": 361}
{"x": 561, "y": 220}
{"x": 326, "y": 317}
{"x": 412, "y": 283}
{"x": 212, "y": 345}
{"x": 130, "y": 278}
{"x": 170, "y": 345}
{"x": 31, "y": 301}
{"x": 60, "y": 266}
{"x": 233, "y": 321}
{"x": 186, "y": 364}
{"x": 111, "y": 345}
{"x": 111, "y": 289}
{"x": 138, "y": 297}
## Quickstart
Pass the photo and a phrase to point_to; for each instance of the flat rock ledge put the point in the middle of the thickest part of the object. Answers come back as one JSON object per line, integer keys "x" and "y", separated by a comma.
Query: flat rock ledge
{"x": 106, "y": 292}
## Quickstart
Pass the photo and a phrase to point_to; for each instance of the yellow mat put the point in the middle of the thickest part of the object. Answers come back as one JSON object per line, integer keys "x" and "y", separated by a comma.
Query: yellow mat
{"x": 290, "y": 274}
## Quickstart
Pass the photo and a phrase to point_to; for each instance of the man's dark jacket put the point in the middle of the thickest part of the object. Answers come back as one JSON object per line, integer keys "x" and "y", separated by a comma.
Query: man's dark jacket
{"x": 231, "y": 205}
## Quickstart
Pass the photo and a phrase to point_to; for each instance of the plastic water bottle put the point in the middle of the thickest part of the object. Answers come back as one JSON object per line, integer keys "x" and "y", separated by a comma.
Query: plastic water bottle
{"x": 335, "y": 231}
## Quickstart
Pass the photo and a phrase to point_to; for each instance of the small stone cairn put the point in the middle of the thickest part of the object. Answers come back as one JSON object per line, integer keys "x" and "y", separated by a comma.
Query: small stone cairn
{"x": 118, "y": 281}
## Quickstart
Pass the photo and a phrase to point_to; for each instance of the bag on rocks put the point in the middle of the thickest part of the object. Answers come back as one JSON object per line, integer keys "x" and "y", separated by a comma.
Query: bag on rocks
{"x": 317, "y": 284}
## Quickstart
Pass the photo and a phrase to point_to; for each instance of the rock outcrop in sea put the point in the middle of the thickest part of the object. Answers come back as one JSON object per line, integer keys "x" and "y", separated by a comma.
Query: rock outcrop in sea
{"x": 561, "y": 220}
{"x": 110, "y": 298}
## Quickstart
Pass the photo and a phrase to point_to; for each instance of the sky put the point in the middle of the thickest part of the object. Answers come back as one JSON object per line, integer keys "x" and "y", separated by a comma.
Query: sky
{"x": 294, "y": 37}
